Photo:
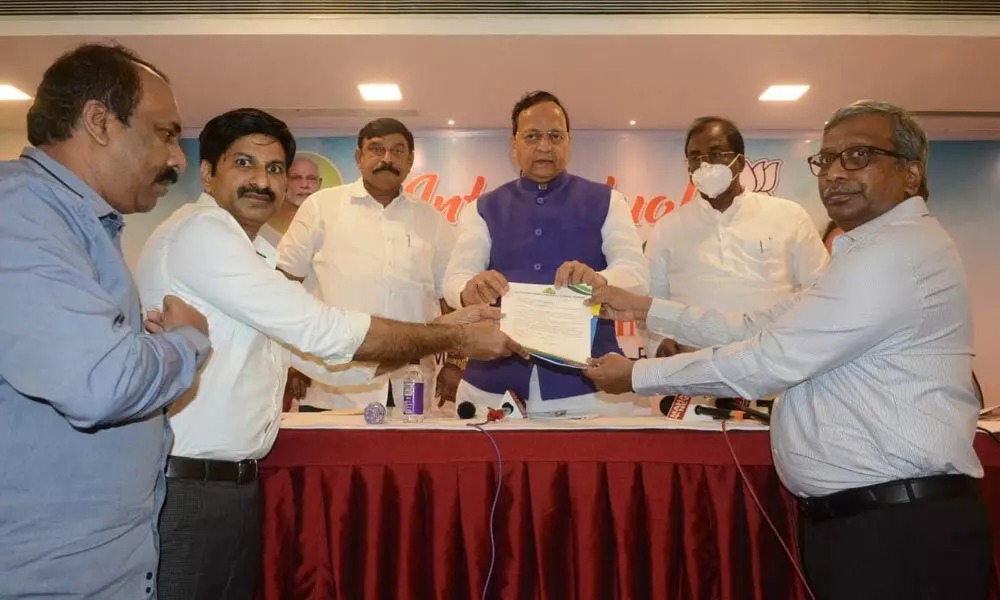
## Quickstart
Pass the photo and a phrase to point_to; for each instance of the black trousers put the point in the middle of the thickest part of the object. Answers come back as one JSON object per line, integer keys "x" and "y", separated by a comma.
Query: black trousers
{"x": 210, "y": 546}
{"x": 925, "y": 550}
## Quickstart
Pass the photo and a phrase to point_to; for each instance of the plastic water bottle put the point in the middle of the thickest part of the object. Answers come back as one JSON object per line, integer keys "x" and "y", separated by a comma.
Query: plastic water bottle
{"x": 413, "y": 393}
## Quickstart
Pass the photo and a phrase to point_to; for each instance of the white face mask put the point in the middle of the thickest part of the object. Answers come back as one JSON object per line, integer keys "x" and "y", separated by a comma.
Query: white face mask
{"x": 711, "y": 179}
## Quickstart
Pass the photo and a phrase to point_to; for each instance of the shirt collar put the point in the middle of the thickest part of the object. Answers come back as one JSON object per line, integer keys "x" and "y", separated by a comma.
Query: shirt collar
{"x": 551, "y": 185}
{"x": 908, "y": 210}
{"x": 206, "y": 199}
{"x": 41, "y": 162}
{"x": 911, "y": 208}
{"x": 730, "y": 212}
{"x": 360, "y": 192}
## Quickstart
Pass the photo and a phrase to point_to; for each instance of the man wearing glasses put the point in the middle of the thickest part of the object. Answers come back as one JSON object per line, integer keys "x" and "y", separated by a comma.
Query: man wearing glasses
{"x": 731, "y": 248}
{"x": 545, "y": 227}
{"x": 374, "y": 249}
{"x": 878, "y": 411}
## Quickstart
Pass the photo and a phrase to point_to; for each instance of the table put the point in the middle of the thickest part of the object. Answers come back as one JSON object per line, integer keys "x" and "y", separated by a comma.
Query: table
{"x": 362, "y": 513}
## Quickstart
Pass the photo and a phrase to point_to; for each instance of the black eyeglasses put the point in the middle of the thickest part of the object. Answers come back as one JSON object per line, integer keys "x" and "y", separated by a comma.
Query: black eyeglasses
{"x": 852, "y": 159}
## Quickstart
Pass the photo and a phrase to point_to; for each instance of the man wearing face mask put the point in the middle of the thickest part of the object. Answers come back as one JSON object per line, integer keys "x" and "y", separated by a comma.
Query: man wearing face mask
{"x": 304, "y": 180}
{"x": 545, "y": 227}
{"x": 731, "y": 248}
{"x": 874, "y": 431}
{"x": 372, "y": 248}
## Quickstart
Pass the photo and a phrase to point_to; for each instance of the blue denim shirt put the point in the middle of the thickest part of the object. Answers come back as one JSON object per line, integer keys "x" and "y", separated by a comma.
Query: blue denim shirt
{"x": 83, "y": 437}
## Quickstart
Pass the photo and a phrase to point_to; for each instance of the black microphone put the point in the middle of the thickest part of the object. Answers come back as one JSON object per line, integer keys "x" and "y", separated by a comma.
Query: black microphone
{"x": 665, "y": 403}
{"x": 718, "y": 413}
{"x": 466, "y": 410}
{"x": 731, "y": 403}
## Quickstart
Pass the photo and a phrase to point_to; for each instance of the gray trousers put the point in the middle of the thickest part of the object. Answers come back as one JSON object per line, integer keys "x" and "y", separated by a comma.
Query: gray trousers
{"x": 210, "y": 541}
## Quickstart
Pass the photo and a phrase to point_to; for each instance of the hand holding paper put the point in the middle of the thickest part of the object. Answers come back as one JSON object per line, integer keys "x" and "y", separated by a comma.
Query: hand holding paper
{"x": 574, "y": 272}
{"x": 550, "y": 323}
{"x": 486, "y": 341}
{"x": 484, "y": 288}
{"x": 611, "y": 373}
{"x": 469, "y": 315}
{"x": 619, "y": 305}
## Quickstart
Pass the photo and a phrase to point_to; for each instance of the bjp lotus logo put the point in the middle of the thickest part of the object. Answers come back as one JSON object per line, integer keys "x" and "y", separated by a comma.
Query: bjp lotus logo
{"x": 761, "y": 175}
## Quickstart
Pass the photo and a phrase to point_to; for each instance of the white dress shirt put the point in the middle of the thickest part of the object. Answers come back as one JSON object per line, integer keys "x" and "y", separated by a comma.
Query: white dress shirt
{"x": 270, "y": 235}
{"x": 386, "y": 261}
{"x": 876, "y": 359}
{"x": 758, "y": 252}
{"x": 626, "y": 269}
{"x": 203, "y": 256}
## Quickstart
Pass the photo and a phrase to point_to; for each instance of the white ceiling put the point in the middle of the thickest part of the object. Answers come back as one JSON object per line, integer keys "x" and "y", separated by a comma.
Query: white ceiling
{"x": 607, "y": 71}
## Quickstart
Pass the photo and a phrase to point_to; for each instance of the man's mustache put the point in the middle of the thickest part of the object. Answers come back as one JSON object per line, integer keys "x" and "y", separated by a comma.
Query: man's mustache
{"x": 169, "y": 176}
{"x": 245, "y": 190}
{"x": 386, "y": 167}
{"x": 840, "y": 190}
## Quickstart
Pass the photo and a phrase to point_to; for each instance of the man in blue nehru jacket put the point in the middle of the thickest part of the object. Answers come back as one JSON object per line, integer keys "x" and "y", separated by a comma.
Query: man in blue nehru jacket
{"x": 547, "y": 226}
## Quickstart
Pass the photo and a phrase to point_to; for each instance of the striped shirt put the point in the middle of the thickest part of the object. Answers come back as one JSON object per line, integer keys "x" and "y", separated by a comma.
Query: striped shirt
{"x": 874, "y": 360}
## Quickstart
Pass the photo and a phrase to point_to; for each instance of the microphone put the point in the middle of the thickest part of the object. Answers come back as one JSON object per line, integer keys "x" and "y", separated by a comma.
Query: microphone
{"x": 737, "y": 415}
{"x": 732, "y": 403}
{"x": 678, "y": 408}
{"x": 510, "y": 406}
{"x": 466, "y": 410}
{"x": 711, "y": 411}
{"x": 675, "y": 407}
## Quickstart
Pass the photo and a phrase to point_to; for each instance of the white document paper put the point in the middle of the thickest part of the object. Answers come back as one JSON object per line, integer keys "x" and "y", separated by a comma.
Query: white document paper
{"x": 553, "y": 324}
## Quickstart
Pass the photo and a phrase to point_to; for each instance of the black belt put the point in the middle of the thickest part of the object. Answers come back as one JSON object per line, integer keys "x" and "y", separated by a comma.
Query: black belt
{"x": 852, "y": 502}
{"x": 244, "y": 471}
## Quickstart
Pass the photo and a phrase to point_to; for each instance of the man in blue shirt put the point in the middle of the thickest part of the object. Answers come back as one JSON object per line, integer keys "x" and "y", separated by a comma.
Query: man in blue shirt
{"x": 83, "y": 438}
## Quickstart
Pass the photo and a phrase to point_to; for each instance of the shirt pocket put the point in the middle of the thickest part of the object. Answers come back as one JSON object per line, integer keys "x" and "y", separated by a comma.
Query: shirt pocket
{"x": 416, "y": 259}
{"x": 763, "y": 249}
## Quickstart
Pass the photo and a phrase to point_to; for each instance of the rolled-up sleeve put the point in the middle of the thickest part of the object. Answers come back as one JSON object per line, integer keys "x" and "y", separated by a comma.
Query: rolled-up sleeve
{"x": 343, "y": 374}
{"x": 216, "y": 263}
{"x": 64, "y": 340}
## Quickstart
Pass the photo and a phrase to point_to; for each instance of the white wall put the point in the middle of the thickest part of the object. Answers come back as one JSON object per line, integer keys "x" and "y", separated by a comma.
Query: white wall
{"x": 11, "y": 144}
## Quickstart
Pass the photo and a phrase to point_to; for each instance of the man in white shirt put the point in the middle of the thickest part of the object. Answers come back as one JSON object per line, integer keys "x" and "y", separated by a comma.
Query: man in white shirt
{"x": 731, "y": 248}
{"x": 371, "y": 248}
{"x": 304, "y": 180}
{"x": 876, "y": 422}
{"x": 548, "y": 226}
{"x": 209, "y": 254}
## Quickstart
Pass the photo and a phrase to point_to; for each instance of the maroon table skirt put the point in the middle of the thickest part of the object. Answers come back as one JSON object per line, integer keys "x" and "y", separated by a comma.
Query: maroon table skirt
{"x": 651, "y": 514}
